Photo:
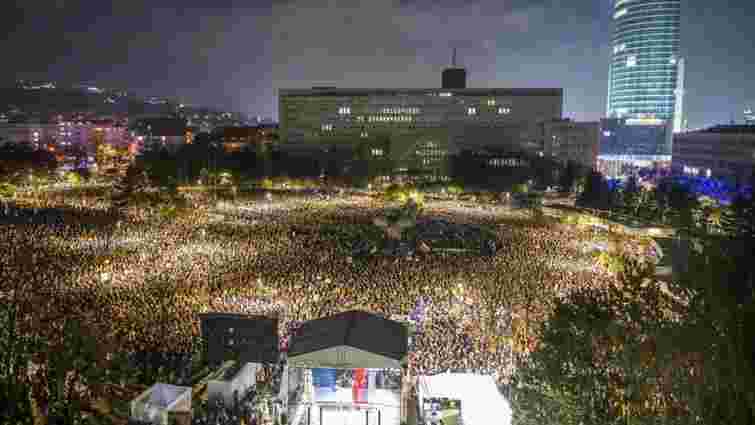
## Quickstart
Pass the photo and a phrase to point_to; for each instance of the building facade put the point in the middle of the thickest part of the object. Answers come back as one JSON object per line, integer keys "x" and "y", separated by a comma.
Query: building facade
{"x": 725, "y": 151}
{"x": 646, "y": 75}
{"x": 37, "y": 135}
{"x": 749, "y": 116}
{"x": 236, "y": 139}
{"x": 566, "y": 140}
{"x": 417, "y": 126}
{"x": 627, "y": 144}
{"x": 170, "y": 133}
{"x": 66, "y": 133}
{"x": 645, "y": 59}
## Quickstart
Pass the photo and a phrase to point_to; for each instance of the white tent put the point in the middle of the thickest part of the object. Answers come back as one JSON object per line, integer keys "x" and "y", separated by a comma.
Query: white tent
{"x": 481, "y": 402}
{"x": 154, "y": 404}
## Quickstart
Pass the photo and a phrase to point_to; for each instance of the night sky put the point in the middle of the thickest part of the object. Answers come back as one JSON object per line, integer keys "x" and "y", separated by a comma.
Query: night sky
{"x": 234, "y": 54}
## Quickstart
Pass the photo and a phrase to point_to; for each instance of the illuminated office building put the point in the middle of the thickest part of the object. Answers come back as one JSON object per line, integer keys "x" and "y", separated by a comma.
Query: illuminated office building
{"x": 646, "y": 82}
{"x": 643, "y": 73}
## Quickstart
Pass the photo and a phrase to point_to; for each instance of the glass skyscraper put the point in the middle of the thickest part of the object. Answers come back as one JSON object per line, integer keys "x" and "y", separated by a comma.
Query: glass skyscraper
{"x": 644, "y": 74}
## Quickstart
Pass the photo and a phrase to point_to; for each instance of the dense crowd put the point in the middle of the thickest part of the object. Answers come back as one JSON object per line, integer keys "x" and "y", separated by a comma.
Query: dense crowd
{"x": 140, "y": 282}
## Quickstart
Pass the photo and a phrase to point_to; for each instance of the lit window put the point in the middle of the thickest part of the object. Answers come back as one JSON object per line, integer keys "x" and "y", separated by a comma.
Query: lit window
{"x": 607, "y": 133}
{"x": 471, "y": 111}
{"x": 491, "y": 102}
{"x": 363, "y": 134}
{"x": 504, "y": 111}
{"x": 672, "y": 61}
{"x": 445, "y": 94}
{"x": 631, "y": 61}
{"x": 619, "y": 48}
{"x": 708, "y": 173}
{"x": 377, "y": 152}
{"x": 344, "y": 110}
{"x": 620, "y": 13}
{"x": 327, "y": 127}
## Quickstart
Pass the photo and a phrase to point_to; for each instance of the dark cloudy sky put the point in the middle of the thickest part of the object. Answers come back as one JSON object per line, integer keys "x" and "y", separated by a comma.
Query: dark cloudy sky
{"x": 235, "y": 54}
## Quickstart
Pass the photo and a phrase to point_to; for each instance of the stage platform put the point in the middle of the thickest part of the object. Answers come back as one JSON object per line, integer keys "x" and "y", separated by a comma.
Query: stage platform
{"x": 338, "y": 408}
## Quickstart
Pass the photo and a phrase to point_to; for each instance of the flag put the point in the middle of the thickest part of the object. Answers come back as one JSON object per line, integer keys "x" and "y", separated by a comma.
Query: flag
{"x": 324, "y": 383}
{"x": 359, "y": 387}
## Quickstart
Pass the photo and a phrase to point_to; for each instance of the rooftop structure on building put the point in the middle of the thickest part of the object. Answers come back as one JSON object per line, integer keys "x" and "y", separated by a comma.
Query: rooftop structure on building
{"x": 454, "y": 77}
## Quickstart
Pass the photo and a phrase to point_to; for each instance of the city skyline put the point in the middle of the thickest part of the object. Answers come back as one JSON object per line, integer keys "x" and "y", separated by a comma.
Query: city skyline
{"x": 237, "y": 57}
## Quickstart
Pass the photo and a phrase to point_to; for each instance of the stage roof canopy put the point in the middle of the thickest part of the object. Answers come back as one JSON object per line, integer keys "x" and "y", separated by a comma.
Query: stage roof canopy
{"x": 349, "y": 340}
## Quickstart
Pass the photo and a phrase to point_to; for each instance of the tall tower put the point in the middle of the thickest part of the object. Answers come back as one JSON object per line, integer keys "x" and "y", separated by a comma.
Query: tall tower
{"x": 454, "y": 77}
{"x": 643, "y": 73}
{"x": 679, "y": 101}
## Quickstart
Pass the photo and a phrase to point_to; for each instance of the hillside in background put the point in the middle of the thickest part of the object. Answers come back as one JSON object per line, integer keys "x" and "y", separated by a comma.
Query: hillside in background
{"x": 47, "y": 102}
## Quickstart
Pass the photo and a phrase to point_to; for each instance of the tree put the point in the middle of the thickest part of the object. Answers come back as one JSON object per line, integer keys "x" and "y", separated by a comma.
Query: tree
{"x": 646, "y": 352}
{"x": 569, "y": 175}
{"x": 596, "y": 361}
{"x": 161, "y": 168}
{"x": 129, "y": 188}
{"x": 7, "y": 190}
{"x": 20, "y": 161}
{"x": 630, "y": 194}
{"x": 264, "y": 159}
{"x": 72, "y": 178}
{"x": 596, "y": 193}
{"x": 739, "y": 218}
{"x": 105, "y": 157}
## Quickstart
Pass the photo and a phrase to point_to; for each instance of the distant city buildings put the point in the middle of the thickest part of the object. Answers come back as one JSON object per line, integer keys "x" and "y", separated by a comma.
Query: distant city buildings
{"x": 646, "y": 82}
{"x": 724, "y": 151}
{"x": 170, "y": 133}
{"x": 236, "y": 139}
{"x": 28, "y": 133}
{"x": 35, "y": 85}
{"x": 750, "y": 115}
{"x": 205, "y": 120}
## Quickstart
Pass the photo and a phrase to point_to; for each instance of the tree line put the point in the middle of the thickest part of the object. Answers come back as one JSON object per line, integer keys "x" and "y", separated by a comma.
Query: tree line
{"x": 652, "y": 351}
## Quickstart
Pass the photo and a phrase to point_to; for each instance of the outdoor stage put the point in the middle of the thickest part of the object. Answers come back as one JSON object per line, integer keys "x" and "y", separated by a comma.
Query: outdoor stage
{"x": 338, "y": 408}
{"x": 346, "y": 369}
{"x": 325, "y": 403}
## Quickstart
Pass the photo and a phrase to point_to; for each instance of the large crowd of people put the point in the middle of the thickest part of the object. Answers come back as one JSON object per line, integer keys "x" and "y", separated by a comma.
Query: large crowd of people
{"x": 139, "y": 283}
